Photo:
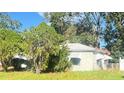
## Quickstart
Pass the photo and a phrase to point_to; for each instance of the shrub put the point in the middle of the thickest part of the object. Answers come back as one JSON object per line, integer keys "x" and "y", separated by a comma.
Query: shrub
{"x": 59, "y": 62}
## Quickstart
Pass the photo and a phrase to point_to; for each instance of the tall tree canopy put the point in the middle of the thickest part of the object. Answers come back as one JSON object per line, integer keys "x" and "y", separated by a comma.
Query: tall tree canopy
{"x": 7, "y": 23}
{"x": 114, "y": 34}
{"x": 79, "y": 25}
{"x": 59, "y": 20}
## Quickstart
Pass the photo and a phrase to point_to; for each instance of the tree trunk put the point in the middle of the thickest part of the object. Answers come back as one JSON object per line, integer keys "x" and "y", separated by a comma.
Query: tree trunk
{"x": 38, "y": 71}
{"x": 37, "y": 68}
{"x": 4, "y": 67}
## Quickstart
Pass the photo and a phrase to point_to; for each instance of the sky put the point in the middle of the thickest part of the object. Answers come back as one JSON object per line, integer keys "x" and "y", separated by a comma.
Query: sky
{"x": 27, "y": 19}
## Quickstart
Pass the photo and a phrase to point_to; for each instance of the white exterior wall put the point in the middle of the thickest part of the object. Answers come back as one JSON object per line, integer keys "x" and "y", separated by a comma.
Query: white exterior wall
{"x": 86, "y": 63}
{"x": 121, "y": 64}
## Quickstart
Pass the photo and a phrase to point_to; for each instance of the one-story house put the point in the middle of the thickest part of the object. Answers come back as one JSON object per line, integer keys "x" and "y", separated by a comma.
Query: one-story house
{"x": 86, "y": 58}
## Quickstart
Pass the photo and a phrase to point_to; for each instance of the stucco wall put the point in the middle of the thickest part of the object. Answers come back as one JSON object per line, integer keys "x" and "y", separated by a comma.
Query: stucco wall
{"x": 86, "y": 63}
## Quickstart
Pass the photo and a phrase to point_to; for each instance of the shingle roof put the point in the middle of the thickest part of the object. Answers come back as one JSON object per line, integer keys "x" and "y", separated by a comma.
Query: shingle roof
{"x": 79, "y": 47}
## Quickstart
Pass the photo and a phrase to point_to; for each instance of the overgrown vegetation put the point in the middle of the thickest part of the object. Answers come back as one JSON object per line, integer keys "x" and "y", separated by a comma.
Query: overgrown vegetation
{"x": 44, "y": 45}
{"x": 9, "y": 43}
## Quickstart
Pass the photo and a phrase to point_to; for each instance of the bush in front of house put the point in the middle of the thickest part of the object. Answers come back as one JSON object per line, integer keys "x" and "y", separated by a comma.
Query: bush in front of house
{"x": 59, "y": 62}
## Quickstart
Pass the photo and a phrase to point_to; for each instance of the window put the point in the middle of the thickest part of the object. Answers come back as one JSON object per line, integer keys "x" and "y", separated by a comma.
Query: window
{"x": 75, "y": 61}
{"x": 99, "y": 63}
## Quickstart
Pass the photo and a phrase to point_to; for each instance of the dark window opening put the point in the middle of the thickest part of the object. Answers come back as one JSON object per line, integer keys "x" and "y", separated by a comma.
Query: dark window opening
{"x": 99, "y": 63}
{"x": 75, "y": 61}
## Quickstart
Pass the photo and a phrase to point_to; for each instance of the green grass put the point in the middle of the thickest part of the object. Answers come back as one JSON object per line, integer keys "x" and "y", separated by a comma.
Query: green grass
{"x": 89, "y": 75}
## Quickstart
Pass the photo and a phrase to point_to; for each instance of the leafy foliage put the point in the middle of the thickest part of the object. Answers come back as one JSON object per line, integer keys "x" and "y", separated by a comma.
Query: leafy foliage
{"x": 43, "y": 42}
{"x": 7, "y": 23}
{"x": 59, "y": 20}
{"x": 60, "y": 61}
{"x": 9, "y": 42}
{"x": 114, "y": 34}
{"x": 84, "y": 38}
{"x": 72, "y": 25}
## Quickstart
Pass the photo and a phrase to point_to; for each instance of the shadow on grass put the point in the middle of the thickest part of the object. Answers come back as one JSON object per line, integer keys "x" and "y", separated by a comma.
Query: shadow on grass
{"x": 122, "y": 76}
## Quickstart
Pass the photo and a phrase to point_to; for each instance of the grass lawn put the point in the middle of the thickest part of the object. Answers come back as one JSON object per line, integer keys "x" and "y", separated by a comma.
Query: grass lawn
{"x": 89, "y": 75}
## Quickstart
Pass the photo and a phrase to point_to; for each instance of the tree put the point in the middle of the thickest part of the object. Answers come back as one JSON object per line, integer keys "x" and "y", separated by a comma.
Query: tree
{"x": 114, "y": 34}
{"x": 59, "y": 20}
{"x": 7, "y": 23}
{"x": 91, "y": 23}
{"x": 9, "y": 42}
{"x": 72, "y": 25}
{"x": 43, "y": 43}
